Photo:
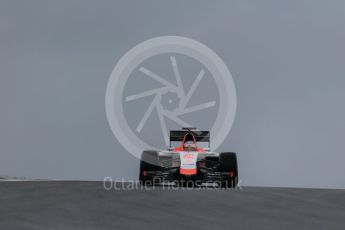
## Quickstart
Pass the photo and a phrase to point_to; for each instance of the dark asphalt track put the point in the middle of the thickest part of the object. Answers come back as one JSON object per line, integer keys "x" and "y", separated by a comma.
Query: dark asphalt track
{"x": 87, "y": 205}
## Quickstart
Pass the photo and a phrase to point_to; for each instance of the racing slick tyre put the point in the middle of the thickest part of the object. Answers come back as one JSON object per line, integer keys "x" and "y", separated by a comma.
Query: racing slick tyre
{"x": 228, "y": 165}
{"x": 149, "y": 163}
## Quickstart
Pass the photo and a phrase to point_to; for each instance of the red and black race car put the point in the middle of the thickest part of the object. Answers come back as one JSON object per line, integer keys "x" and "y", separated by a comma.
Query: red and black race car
{"x": 189, "y": 163}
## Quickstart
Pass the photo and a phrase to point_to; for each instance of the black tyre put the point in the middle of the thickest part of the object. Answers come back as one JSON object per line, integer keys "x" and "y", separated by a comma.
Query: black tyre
{"x": 149, "y": 162}
{"x": 228, "y": 164}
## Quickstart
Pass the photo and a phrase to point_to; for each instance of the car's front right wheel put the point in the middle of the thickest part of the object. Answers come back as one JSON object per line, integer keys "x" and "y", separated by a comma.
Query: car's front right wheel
{"x": 149, "y": 163}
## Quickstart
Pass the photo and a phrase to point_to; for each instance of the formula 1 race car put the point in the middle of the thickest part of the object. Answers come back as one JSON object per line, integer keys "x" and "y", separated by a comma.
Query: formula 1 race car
{"x": 188, "y": 164}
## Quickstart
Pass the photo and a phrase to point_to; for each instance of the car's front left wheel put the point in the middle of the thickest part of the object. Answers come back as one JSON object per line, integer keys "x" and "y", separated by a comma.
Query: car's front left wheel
{"x": 228, "y": 167}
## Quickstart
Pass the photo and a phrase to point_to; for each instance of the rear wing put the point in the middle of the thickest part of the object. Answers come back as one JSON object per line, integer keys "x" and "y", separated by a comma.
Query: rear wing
{"x": 200, "y": 136}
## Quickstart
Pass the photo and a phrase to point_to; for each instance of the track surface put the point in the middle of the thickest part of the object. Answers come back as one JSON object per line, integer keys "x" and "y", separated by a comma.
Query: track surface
{"x": 87, "y": 205}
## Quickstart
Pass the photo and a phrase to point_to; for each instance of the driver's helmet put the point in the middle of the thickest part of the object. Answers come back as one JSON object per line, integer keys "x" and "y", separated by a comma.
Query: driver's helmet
{"x": 189, "y": 143}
